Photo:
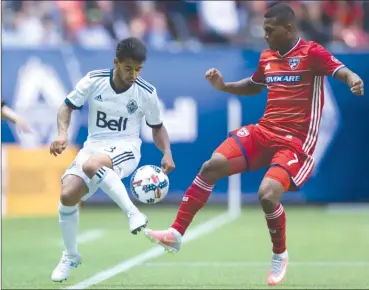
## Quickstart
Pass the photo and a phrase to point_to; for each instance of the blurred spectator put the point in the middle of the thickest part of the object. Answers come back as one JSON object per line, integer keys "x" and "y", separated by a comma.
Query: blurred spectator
{"x": 162, "y": 23}
{"x": 219, "y": 20}
{"x": 94, "y": 34}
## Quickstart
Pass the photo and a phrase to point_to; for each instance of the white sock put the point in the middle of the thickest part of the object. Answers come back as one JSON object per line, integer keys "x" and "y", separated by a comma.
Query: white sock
{"x": 112, "y": 185}
{"x": 68, "y": 221}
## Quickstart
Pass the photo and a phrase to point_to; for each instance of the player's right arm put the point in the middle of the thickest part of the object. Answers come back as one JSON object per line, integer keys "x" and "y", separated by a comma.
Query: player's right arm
{"x": 74, "y": 101}
{"x": 10, "y": 115}
{"x": 244, "y": 87}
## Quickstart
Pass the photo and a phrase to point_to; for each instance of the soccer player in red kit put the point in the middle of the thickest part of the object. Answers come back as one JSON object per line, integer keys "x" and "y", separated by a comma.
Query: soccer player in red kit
{"x": 283, "y": 140}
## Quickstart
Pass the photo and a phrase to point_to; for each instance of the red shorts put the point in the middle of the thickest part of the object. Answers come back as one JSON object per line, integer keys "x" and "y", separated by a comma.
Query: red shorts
{"x": 261, "y": 148}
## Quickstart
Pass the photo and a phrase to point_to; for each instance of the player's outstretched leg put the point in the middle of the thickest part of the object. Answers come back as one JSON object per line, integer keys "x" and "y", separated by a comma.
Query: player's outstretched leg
{"x": 73, "y": 188}
{"x": 98, "y": 169}
{"x": 275, "y": 183}
{"x": 194, "y": 199}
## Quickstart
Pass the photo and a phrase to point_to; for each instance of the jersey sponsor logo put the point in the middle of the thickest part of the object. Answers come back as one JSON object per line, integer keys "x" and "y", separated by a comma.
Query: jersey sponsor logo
{"x": 132, "y": 106}
{"x": 113, "y": 125}
{"x": 283, "y": 79}
{"x": 294, "y": 62}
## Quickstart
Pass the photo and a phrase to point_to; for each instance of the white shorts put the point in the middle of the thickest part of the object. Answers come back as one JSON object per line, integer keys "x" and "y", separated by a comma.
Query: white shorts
{"x": 124, "y": 155}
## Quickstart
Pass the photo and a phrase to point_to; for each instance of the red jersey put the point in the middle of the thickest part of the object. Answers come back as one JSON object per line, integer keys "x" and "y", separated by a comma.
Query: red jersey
{"x": 295, "y": 83}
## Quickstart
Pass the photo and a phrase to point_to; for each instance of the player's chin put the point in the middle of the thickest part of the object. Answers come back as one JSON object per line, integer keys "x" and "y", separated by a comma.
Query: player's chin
{"x": 272, "y": 46}
{"x": 130, "y": 81}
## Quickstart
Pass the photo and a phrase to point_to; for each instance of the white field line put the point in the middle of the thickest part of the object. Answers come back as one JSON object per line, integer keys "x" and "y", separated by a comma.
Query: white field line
{"x": 87, "y": 237}
{"x": 201, "y": 264}
{"x": 199, "y": 231}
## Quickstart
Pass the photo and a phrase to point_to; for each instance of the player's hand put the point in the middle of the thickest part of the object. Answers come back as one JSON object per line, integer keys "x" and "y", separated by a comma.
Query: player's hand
{"x": 59, "y": 145}
{"x": 23, "y": 126}
{"x": 357, "y": 87}
{"x": 215, "y": 78}
{"x": 167, "y": 163}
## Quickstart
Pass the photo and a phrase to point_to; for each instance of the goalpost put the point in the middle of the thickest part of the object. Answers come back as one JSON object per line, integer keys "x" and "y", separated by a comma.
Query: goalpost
{"x": 234, "y": 116}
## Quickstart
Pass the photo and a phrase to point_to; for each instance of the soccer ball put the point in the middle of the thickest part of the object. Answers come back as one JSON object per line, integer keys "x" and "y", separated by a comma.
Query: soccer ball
{"x": 149, "y": 184}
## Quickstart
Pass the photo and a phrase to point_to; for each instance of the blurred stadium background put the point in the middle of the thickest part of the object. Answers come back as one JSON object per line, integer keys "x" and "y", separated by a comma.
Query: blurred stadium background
{"x": 47, "y": 46}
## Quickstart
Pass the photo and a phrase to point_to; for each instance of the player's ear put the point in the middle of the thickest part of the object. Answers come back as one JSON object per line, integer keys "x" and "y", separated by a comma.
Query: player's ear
{"x": 116, "y": 62}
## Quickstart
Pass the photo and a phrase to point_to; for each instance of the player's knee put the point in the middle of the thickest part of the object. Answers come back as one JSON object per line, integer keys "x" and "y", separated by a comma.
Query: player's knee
{"x": 73, "y": 189}
{"x": 69, "y": 196}
{"x": 215, "y": 168}
{"x": 269, "y": 194}
{"x": 94, "y": 163}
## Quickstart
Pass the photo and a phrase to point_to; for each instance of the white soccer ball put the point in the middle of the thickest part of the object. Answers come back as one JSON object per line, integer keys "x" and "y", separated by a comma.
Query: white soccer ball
{"x": 149, "y": 184}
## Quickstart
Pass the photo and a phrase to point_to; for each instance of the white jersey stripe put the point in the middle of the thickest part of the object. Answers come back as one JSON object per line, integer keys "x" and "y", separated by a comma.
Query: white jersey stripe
{"x": 302, "y": 170}
{"x": 318, "y": 118}
{"x": 305, "y": 172}
{"x": 314, "y": 114}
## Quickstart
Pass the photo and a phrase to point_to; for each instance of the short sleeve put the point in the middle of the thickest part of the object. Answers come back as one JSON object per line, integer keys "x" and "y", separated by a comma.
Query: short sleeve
{"x": 258, "y": 77}
{"x": 152, "y": 111}
{"x": 79, "y": 95}
{"x": 323, "y": 62}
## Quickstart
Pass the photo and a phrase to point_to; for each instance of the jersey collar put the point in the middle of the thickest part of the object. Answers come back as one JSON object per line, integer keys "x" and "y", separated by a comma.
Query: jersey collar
{"x": 293, "y": 48}
{"x": 117, "y": 91}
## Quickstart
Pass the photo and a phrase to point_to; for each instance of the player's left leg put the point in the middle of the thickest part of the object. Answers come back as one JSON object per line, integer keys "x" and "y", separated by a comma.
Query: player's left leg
{"x": 106, "y": 169}
{"x": 285, "y": 166}
{"x": 228, "y": 159}
{"x": 274, "y": 184}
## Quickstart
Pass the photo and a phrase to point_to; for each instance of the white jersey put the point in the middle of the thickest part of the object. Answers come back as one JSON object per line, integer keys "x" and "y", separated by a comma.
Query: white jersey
{"x": 112, "y": 114}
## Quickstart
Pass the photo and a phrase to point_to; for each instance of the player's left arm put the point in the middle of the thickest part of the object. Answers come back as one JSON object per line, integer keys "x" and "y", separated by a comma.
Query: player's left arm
{"x": 324, "y": 63}
{"x": 159, "y": 132}
{"x": 351, "y": 79}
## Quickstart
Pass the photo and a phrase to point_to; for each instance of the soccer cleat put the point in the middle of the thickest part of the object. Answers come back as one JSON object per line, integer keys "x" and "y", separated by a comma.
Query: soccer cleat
{"x": 67, "y": 262}
{"x": 137, "y": 221}
{"x": 170, "y": 239}
{"x": 278, "y": 269}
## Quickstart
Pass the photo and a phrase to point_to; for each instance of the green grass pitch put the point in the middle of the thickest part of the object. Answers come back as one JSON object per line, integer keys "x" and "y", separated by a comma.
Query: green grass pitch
{"x": 327, "y": 250}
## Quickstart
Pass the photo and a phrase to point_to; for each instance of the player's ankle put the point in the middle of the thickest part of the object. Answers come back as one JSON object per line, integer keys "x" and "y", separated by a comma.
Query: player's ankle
{"x": 177, "y": 230}
{"x": 280, "y": 252}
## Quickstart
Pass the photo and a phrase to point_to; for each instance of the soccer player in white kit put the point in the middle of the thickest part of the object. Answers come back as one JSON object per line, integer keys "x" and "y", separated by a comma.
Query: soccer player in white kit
{"x": 118, "y": 100}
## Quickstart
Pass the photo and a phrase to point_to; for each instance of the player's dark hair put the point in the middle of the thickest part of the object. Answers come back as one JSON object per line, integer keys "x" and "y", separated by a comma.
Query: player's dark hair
{"x": 131, "y": 48}
{"x": 282, "y": 12}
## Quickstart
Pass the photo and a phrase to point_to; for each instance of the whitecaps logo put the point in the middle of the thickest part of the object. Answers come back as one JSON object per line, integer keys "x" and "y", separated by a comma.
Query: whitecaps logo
{"x": 38, "y": 95}
{"x": 183, "y": 115}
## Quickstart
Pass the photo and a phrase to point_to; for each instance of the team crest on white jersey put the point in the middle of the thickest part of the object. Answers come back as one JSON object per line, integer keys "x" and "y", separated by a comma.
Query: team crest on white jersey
{"x": 132, "y": 106}
{"x": 294, "y": 62}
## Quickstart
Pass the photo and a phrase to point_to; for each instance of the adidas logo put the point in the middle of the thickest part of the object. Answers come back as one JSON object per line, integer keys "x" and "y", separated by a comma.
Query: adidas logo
{"x": 98, "y": 98}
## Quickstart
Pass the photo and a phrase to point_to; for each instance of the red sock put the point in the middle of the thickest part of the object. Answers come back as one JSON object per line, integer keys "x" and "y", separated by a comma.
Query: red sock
{"x": 194, "y": 199}
{"x": 276, "y": 222}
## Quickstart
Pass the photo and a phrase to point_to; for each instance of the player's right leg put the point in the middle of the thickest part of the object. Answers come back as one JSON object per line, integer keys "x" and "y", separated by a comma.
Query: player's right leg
{"x": 227, "y": 160}
{"x": 105, "y": 170}
{"x": 73, "y": 189}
